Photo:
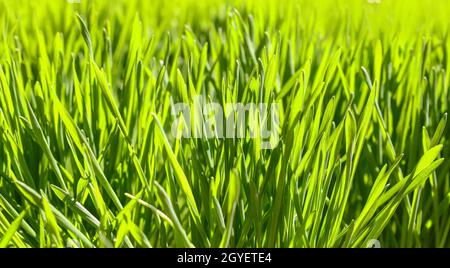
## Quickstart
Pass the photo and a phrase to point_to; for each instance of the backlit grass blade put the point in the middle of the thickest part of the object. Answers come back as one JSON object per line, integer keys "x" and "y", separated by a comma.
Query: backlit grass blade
{"x": 12, "y": 230}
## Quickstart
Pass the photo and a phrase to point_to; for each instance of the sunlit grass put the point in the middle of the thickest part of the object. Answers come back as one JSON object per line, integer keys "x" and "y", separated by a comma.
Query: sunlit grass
{"x": 87, "y": 93}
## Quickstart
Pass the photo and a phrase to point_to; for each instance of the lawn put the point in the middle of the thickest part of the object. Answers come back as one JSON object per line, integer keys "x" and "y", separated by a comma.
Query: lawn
{"x": 353, "y": 151}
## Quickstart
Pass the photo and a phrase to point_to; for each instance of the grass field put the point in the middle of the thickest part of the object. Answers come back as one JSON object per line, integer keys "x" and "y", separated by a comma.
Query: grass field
{"x": 88, "y": 158}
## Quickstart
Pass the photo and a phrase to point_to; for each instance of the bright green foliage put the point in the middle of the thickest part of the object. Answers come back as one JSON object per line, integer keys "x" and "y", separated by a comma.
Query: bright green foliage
{"x": 87, "y": 93}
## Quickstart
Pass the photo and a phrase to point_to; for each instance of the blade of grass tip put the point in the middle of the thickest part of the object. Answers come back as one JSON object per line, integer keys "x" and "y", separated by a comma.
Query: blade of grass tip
{"x": 439, "y": 131}
{"x": 405, "y": 188}
{"x": 427, "y": 158}
{"x": 85, "y": 33}
{"x": 424, "y": 164}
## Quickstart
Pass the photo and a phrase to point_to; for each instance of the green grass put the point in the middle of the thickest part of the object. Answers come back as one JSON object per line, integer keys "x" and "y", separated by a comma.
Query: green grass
{"x": 87, "y": 90}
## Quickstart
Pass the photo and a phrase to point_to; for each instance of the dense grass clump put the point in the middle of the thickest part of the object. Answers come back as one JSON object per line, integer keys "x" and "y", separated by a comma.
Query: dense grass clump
{"x": 88, "y": 90}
